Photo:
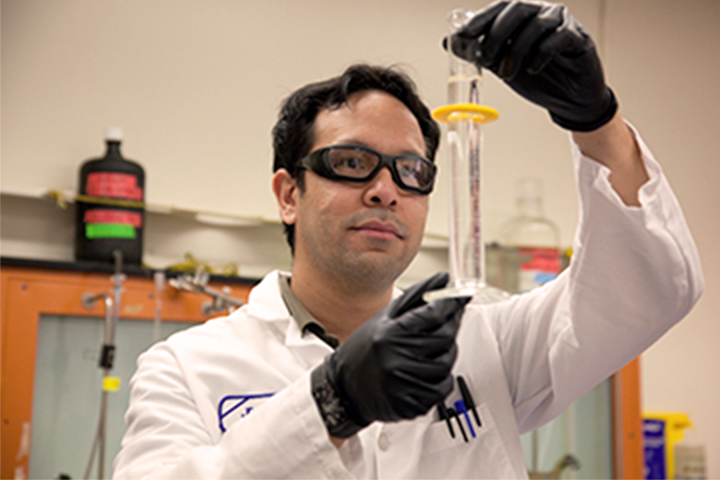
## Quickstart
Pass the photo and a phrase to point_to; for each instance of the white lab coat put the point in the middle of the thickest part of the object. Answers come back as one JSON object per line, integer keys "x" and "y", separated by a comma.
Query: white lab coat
{"x": 635, "y": 273}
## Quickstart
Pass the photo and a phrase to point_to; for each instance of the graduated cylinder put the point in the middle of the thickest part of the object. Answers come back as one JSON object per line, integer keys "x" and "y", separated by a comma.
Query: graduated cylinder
{"x": 464, "y": 117}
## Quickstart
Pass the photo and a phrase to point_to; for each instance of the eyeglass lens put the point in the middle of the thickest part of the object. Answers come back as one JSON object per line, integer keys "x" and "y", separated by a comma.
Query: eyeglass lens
{"x": 358, "y": 163}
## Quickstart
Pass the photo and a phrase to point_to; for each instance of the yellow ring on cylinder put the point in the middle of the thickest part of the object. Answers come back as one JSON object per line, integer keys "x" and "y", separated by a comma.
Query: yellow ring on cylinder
{"x": 458, "y": 112}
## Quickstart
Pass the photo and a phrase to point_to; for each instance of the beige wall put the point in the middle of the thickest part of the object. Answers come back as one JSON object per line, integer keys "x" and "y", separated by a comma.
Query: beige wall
{"x": 196, "y": 86}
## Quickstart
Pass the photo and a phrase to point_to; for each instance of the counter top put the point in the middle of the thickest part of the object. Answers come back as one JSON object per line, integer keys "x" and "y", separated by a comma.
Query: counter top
{"x": 99, "y": 267}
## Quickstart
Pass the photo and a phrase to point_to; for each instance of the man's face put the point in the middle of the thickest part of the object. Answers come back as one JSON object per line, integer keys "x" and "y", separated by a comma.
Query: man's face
{"x": 362, "y": 232}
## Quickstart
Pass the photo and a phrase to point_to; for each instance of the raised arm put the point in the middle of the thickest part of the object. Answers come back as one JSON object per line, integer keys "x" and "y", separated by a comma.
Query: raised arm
{"x": 614, "y": 146}
{"x": 635, "y": 271}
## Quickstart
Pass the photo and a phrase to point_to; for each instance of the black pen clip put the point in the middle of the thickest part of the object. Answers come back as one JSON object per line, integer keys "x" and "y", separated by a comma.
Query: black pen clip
{"x": 454, "y": 413}
{"x": 445, "y": 416}
{"x": 468, "y": 399}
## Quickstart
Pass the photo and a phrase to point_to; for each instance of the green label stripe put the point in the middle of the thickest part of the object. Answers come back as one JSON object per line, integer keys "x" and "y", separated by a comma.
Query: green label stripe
{"x": 109, "y": 230}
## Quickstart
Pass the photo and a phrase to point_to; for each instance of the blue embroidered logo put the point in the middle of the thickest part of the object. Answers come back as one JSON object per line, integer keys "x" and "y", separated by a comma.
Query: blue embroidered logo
{"x": 230, "y": 403}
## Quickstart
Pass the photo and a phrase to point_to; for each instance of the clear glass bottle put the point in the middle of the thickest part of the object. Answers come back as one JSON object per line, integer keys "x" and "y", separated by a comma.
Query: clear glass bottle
{"x": 532, "y": 238}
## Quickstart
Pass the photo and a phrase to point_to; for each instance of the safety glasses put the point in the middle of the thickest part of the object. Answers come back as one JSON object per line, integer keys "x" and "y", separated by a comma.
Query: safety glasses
{"x": 356, "y": 163}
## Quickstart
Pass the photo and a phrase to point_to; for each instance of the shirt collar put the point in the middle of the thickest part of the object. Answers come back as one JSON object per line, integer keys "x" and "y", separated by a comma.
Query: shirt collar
{"x": 304, "y": 319}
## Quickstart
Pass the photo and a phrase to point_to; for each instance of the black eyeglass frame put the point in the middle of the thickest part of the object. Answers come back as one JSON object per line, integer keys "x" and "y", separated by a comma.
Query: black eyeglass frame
{"x": 318, "y": 162}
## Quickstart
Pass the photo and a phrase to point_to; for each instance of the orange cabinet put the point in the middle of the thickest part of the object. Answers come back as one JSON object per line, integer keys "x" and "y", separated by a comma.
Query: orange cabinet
{"x": 29, "y": 293}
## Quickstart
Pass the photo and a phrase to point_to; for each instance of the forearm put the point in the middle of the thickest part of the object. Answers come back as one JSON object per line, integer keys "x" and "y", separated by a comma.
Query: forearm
{"x": 614, "y": 146}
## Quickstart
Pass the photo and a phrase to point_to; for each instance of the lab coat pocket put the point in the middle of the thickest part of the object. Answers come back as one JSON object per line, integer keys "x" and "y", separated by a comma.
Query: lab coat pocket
{"x": 439, "y": 437}
{"x": 482, "y": 456}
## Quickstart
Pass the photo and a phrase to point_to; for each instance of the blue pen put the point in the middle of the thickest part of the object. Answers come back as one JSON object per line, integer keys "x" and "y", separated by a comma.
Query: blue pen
{"x": 461, "y": 409}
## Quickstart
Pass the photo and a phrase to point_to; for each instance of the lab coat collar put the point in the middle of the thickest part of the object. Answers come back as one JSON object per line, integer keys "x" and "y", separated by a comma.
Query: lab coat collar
{"x": 266, "y": 303}
{"x": 265, "y": 300}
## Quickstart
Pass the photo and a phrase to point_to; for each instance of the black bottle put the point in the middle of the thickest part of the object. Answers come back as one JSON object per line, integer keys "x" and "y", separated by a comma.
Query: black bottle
{"x": 110, "y": 211}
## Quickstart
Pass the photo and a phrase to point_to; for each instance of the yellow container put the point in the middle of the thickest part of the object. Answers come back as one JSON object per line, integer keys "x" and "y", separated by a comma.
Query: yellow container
{"x": 663, "y": 430}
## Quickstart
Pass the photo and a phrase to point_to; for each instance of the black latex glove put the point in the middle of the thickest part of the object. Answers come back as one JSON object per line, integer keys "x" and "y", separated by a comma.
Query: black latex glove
{"x": 396, "y": 365}
{"x": 542, "y": 52}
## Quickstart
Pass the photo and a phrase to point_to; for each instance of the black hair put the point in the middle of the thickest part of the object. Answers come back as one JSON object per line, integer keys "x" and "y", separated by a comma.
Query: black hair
{"x": 293, "y": 133}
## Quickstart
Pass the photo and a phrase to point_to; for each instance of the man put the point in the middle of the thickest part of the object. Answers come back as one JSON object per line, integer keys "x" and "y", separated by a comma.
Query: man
{"x": 323, "y": 374}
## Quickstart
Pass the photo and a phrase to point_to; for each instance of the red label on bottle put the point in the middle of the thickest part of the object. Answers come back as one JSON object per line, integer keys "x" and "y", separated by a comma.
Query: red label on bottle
{"x": 540, "y": 266}
{"x": 115, "y": 185}
{"x": 543, "y": 259}
{"x": 113, "y": 216}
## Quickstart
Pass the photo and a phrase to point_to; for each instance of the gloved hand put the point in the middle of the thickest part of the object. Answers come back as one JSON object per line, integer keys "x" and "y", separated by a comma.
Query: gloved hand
{"x": 542, "y": 52}
{"x": 395, "y": 366}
